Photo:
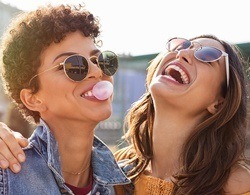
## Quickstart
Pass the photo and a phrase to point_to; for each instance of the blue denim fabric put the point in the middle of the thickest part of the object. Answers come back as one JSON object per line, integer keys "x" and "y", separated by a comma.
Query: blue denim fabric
{"x": 123, "y": 164}
{"x": 41, "y": 172}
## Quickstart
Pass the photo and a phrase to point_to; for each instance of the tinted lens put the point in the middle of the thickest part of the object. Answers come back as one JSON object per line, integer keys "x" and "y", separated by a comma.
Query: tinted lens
{"x": 208, "y": 54}
{"x": 177, "y": 44}
{"x": 76, "y": 67}
{"x": 108, "y": 62}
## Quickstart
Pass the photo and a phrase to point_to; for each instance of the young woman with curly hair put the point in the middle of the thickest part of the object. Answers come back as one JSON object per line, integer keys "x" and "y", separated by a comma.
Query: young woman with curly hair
{"x": 51, "y": 63}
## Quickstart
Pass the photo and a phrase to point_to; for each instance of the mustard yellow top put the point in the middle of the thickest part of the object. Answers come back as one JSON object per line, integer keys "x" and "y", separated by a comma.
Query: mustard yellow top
{"x": 148, "y": 185}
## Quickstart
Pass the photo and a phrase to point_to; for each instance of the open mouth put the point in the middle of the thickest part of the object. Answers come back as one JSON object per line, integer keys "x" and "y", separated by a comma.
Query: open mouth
{"x": 177, "y": 74}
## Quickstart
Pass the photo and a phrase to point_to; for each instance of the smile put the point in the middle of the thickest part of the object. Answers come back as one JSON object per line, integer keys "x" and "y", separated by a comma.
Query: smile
{"x": 177, "y": 74}
{"x": 87, "y": 94}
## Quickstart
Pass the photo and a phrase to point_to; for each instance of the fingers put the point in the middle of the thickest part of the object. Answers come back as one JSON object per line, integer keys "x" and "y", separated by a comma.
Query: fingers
{"x": 8, "y": 161}
{"x": 11, "y": 153}
{"x": 23, "y": 142}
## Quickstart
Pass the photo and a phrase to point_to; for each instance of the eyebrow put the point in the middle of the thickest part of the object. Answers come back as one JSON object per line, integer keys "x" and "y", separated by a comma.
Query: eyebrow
{"x": 93, "y": 52}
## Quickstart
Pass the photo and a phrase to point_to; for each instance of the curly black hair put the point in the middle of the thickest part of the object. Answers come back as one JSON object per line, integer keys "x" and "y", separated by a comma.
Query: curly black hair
{"x": 28, "y": 35}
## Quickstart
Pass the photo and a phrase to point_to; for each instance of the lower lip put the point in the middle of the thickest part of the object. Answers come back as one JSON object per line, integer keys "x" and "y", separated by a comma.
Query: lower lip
{"x": 93, "y": 98}
{"x": 165, "y": 78}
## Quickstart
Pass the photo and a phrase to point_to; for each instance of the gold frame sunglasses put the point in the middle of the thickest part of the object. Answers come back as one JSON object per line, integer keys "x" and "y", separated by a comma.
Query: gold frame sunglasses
{"x": 76, "y": 67}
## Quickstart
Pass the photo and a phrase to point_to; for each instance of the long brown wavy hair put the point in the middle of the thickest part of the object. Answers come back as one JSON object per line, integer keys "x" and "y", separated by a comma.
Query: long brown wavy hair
{"x": 214, "y": 147}
{"x": 32, "y": 32}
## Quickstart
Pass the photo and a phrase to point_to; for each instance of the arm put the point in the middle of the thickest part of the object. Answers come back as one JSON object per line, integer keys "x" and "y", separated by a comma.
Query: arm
{"x": 11, "y": 153}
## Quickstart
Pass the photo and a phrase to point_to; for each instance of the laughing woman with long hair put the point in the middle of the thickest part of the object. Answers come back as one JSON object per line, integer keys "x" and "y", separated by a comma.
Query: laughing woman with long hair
{"x": 187, "y": 134}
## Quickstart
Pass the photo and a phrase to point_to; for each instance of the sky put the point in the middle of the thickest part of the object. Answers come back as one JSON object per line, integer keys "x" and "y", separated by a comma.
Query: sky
{"x": 141, "y": 27}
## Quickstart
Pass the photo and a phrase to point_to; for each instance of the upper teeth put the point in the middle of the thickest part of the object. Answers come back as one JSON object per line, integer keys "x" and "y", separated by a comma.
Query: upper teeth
{"x": 87, "y": 94}
{"x": 183, "y": 75}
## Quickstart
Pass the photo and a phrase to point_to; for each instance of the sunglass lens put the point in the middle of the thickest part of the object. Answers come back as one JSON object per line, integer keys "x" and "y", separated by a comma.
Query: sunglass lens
{"x": 177, "y": 44}
{"x": 76, "y": 67}
{"x": 108, "y": 62}
{"x": 208, "y": 54}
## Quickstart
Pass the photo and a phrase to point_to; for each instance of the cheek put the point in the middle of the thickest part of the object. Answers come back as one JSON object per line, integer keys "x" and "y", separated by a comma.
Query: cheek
{"x": 55, "y": 86}
{"x": 208, "y": 92}
{"x": 215, "y": 82}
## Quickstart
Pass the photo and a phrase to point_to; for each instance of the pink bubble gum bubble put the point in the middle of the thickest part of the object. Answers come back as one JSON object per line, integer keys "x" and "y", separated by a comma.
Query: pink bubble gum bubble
{"x": 102, "y": 90}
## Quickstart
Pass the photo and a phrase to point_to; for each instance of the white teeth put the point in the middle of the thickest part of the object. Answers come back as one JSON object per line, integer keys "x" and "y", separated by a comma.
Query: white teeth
{"x": 183, "y": 75}
{"x": 87, "y": 94}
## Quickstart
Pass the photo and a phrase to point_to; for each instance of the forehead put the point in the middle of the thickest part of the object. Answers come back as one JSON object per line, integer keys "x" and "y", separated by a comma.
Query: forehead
{"x": 209, "y": 42}
{"x": 74, "y": 42}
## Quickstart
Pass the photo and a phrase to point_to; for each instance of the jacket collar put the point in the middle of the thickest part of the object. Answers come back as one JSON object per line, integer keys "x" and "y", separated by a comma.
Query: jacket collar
{"x": 105, "y": 169}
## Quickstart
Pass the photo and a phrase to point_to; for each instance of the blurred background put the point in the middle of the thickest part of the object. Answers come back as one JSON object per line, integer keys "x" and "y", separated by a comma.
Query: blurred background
{"x": 137, "y": 31}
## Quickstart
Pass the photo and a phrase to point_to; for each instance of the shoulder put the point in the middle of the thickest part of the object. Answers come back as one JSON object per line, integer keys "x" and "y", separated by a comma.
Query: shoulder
{"x": 239, "y": 180}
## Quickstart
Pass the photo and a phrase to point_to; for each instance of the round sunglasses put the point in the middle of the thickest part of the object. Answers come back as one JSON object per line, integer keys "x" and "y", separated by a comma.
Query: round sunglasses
{"x": 76, "y": 66}
{"x": 203, "y": 54}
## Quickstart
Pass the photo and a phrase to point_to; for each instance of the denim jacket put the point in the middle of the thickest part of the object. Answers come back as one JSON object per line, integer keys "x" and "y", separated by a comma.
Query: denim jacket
{"x": 41, "y": 172}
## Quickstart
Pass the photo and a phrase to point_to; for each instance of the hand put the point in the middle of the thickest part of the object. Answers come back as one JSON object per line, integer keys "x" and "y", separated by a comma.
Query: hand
{"x": 11, "y": 153}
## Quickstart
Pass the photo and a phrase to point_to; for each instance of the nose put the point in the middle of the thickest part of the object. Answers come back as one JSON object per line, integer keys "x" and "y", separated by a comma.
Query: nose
{"x": 185, "y": 55}
{"x": 94, "y": 70}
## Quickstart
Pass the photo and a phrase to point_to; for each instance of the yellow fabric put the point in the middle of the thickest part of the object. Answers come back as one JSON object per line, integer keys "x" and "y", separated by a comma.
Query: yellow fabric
{"x": 146, "y": 184}
{"x": 119, "y": 190}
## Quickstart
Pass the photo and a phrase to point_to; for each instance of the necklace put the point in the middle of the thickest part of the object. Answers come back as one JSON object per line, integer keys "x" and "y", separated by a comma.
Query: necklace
{"x": 77, "y": 173}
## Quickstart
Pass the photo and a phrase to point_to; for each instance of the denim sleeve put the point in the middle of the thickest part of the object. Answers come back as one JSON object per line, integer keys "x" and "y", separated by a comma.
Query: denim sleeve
{"x": 2, "y": 182}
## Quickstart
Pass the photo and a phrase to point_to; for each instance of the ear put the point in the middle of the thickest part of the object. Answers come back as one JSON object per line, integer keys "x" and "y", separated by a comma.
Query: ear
{"x": 215, "y": 106}
{"x": 32, "y": 101}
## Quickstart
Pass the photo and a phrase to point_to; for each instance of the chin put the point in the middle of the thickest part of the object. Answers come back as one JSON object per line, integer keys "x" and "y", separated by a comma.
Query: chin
{"x": 103, "y": 114}
{"x": 101, "y": 118}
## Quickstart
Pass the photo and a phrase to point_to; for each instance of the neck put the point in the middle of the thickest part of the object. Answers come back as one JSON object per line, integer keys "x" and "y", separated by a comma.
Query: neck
{"x": 170, "y": 132}
{"x": 75, "y": 146}
{"x": 76, "y": 160}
